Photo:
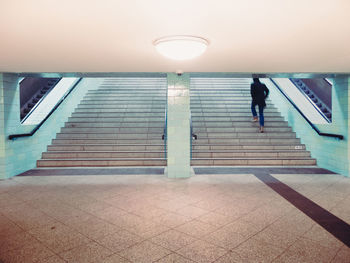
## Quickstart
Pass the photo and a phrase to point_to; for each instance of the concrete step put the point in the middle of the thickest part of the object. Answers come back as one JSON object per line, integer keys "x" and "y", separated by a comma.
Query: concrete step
{"x": 228, "y": 104}
{"x": 136, "y": 130}
{"x": 116, "y": 119}
{"x": 129, "y": 99}
{"x": 251, "y": 162}
{"x": 249, "y": 154}
{"x": 124, "y": 96}
{"x": 117, "y": 114}
{"x": 108, "y": 141}
{"x": 232, "y": 114}
{"x": 127, "y": 103}
{"x": 237, "y": 123}
{"x": 122, "y": 136}
{"x": 105, "y": 147}
{"x": 235, "y": 118}
{"x": 254, "y": 147}
{"x": 122, "y": 106}
{"x": 228, "y": 110}
{"x": 247, "y": 141}
{"x": 227, "y": 107}
{"x": 242, "y": 135}
{"x": 102, "y": 162}
{"x": 115, "y": 124}
{"x": 102, "y": 154}
{"x": 219, "y": 96}
{"x": 240, "y": 129}
{"x": 210, "y": 101}
{"x": 121, "y": 110}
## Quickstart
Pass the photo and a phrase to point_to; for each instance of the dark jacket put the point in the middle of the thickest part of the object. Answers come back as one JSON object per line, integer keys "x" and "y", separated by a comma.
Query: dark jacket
{"x": 259, "y": 93}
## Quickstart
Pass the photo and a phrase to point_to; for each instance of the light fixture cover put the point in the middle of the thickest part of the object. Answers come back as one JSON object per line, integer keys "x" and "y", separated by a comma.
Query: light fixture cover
{"x": 181, "y": 47}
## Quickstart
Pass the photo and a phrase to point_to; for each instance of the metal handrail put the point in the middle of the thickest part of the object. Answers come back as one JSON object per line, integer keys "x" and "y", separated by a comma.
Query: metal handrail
{"x": 310, "y": 100}
{"x": 165, "y": 132}
{"x": 193, "y": 136}
{"x": 14, "y": 136}
{"x": 340, "y": 137}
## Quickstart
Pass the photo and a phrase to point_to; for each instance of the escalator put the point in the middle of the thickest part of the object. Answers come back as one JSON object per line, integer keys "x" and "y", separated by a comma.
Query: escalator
{"x": 319, "y": 92}
{"x": 32, "y": 92}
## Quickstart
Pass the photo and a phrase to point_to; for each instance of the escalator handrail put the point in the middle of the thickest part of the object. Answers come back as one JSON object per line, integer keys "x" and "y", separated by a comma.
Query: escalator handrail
{"x": 14, "y": 136}
{"x": 340, "y": 137}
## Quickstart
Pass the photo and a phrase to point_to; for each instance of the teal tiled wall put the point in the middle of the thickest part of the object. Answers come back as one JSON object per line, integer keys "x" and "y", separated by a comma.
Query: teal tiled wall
{"x": 331, "y": 153}
{"x": 22, "y": 153}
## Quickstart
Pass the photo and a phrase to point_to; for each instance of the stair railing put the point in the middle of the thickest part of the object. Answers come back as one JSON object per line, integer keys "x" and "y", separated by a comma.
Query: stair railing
{"x": 14, "y": 136}
{"x": 340, "y": 137}
{"x": 193, "y": 136}
{"x": 165, "y": 132}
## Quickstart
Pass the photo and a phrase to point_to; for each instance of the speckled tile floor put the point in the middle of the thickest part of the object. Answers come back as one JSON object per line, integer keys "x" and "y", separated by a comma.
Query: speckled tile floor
{"x": 150, "y": 218}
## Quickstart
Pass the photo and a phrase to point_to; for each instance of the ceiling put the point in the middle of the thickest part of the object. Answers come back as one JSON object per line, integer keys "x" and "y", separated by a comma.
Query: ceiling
{"x": 116, "y": 35}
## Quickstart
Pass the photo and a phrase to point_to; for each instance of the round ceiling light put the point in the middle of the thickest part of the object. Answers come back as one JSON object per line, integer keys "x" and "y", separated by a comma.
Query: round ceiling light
{"x": 181, "y": 47}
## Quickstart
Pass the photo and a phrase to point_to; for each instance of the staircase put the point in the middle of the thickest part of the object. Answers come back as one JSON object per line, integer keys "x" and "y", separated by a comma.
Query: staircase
{"x": 221, "y": 119}
{"x": 119, "y": 124}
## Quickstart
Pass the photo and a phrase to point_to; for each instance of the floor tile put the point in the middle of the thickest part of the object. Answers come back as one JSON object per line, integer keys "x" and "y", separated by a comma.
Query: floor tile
{"x": 191, "y": 211}
{"x": 230, "y": 257}
{"x": 149, "y": 212}
{"x": 256, "y": 251}
{"x": 201, "y": 251}
{"x": 145, "y": 218}
{"x": 31, "y": 252}
{"x": 8, "y": 228}
{"x": 225, "y": 238}
{"x": 15, "y": 241}
{"x": 276, "y": 237}
{"x": 215, "y": 219}
{"x": 196, "y": 228}
{"x": 323, "y": 237}
{"x": 170, "y": 219}
{"x": 115, "y": 258}
{"x": 59, "y": 238}
{"x": 52, "y": 259}
{"x": 119, "y": 241}
{"x": 91, "y": 252}
{"x": 304, "y": 250}
{"x": 7, "y": 200}
{"x": 144, "y": 252}
{"x": 342, "y": 256}
{"x": 110, "y": 214}
{"x": 172, "y": 240}
{"x": 95, "y": 228}
{"x": 210, "y": 204}
{"x": 174, "y": 258}
{"x": 243, "y": 228}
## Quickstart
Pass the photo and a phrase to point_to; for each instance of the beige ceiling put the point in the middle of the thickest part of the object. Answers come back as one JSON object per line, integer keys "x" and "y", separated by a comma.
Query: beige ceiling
{"x": 117, "y": 35}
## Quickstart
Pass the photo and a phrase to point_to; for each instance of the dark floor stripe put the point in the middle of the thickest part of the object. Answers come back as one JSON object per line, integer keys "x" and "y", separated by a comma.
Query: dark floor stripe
{"x": 334, "y": 225}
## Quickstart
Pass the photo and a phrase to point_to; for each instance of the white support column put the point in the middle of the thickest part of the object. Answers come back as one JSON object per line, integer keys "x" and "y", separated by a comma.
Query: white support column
{"x": 178, "y": 126}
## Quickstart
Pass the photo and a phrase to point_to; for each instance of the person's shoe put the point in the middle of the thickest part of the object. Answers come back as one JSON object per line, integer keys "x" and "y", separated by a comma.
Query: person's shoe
{"x": 255, "y": 119}
{"x": 261, "y": 129}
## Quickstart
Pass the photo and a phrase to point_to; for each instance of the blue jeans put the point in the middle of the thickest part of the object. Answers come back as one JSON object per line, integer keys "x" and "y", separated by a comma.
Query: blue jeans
{"x": 261, "y": 113}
